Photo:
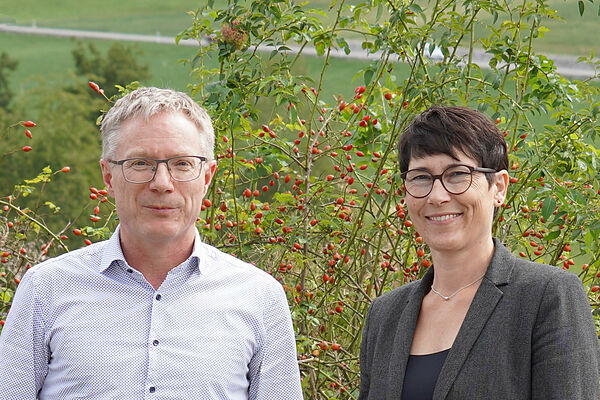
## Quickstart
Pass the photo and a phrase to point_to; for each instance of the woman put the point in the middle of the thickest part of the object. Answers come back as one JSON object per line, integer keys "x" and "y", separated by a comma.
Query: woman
{"x": 481, "y": 324}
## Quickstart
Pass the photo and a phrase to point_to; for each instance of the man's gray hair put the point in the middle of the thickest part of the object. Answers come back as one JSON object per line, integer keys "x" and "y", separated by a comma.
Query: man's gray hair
{"x": 147, "y": 102}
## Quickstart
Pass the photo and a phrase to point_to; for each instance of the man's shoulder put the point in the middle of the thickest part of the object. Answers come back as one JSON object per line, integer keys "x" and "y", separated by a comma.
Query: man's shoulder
{"x": 73, "y": 262}
{"x": 221, "y": 262}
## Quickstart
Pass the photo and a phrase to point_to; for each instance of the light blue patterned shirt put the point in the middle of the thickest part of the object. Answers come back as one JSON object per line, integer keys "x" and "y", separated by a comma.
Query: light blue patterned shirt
{"x": 86, "y": 325}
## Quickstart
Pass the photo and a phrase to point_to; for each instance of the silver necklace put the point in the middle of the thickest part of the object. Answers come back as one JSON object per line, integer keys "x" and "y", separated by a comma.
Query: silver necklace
{"x": 458, "y": 291}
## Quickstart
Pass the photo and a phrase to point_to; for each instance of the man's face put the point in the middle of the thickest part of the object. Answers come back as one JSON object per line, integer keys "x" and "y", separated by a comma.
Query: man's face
{"x": 161, "y": 210}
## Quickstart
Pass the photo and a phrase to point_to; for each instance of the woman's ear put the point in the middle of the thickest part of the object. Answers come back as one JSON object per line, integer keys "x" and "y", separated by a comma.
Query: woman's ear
{"x": 500, "y": 185}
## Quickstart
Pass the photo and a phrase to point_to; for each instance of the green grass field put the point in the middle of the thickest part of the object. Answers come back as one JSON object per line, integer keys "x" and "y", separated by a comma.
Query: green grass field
{"x": 575, "y": 36}
{"x": 50, "y": 58}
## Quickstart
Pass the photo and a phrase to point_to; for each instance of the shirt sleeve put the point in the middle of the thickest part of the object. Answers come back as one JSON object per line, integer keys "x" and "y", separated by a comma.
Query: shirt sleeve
{"x": 23, "y": 354}
{"x": 274, "y": 372}
{"x": 565, "y": 362}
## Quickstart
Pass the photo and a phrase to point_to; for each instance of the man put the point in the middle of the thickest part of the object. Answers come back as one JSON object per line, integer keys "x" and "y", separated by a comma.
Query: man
{"x": 152, "y": 312}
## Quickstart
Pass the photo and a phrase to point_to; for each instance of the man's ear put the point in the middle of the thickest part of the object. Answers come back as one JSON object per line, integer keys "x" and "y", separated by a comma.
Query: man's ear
{"x": 209, "y": 172}
{"x": 107, "y": 176}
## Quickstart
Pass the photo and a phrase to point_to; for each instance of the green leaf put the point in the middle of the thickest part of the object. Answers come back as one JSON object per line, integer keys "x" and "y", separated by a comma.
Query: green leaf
{"x": 6, "y": 295}
{"x": 581, "y": 7}
{"x": 368, "y": 75}
{"x": 286, "y": 198}
{"x": 548, "y": 207}
{"x": 320, "y": 48}
{"x": 552, "y": 235}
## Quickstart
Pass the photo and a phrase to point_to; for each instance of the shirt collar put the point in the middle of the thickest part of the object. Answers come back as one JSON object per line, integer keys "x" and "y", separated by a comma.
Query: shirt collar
{"x": 112, "y": 252}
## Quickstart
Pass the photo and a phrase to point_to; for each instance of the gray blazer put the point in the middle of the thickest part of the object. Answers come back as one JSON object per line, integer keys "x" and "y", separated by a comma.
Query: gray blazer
{"x": 528, "y": 334}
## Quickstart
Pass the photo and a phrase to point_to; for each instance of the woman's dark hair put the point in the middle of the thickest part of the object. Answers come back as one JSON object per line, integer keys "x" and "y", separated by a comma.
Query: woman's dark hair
{"x": 447, "y": 130}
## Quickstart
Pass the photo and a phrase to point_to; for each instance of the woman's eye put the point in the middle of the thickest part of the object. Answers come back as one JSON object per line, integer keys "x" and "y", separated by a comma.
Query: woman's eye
{"x": 422, "y": 177}
{"x": 458, "y": 174}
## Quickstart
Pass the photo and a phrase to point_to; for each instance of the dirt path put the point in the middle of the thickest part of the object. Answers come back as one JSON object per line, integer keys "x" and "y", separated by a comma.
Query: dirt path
{"x": 566, "y": 65}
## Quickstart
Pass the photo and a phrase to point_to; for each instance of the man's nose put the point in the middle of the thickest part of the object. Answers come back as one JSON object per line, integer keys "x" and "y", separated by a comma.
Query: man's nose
{"x": 162, "y": 178}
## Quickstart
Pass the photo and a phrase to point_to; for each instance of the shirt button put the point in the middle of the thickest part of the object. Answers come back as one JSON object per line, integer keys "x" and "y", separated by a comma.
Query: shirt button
{"x": 158, "y": 297}
{"x": 152, "y": 389}
{"x": 129, "y": 270}
{"x": 155, "y": 342}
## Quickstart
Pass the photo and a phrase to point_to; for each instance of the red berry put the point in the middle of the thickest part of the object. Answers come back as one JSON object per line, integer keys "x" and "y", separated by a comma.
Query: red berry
{"x": 28, "y": 133}
{"x": 65, "y": 169}
{"x": 88, "y": 242}
{"x": 207, "y": 203}
{"x": 29, "y": 124}
{"x": 388, "y": 96}
{"x": 26, "y": 148}
{"x": 77, "y": 232}
{"x": 94, "y": 86}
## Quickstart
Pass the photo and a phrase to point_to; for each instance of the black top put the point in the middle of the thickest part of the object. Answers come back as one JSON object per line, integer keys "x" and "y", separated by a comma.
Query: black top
{"x": 421, "y": 375}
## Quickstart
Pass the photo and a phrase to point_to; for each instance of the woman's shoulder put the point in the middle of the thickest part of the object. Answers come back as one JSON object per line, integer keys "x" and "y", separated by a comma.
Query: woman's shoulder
{"x": 395, "y": 298}
{"x": 509, "y": 267}
{"x": 530, "y": 271}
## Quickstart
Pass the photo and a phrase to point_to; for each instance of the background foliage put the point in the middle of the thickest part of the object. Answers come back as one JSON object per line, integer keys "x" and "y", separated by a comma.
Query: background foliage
{"x": 307, "y": 186}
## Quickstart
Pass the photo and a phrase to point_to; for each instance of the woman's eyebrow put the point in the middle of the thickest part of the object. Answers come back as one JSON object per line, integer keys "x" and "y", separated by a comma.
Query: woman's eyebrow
{"x": 456, "y": 164}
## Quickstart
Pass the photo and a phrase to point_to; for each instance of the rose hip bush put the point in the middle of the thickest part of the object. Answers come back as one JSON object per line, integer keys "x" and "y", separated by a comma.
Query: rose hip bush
{"x": 307, "y": 186}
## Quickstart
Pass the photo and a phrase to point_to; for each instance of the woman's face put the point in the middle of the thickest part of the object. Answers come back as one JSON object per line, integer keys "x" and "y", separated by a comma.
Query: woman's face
{"x": 449, "y": 222}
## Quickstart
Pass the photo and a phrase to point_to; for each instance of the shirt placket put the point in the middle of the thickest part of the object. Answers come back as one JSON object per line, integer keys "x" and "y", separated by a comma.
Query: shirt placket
{"x": 152, "y": 387}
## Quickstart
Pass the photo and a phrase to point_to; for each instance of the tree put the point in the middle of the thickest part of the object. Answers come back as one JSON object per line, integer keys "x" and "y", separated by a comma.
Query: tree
{"x": 119, "y": 67}
{"x": 6, "y": 64}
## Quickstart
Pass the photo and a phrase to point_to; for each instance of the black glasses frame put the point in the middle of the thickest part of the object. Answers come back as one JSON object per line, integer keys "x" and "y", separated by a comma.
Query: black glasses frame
{"x": 158, "y": 162}
{"x": 436, "y": 177}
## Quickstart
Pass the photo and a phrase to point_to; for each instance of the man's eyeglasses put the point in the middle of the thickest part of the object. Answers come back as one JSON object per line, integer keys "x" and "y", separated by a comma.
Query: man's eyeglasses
{"x": 142, "y": 170}
{"x": 456, "y": 179}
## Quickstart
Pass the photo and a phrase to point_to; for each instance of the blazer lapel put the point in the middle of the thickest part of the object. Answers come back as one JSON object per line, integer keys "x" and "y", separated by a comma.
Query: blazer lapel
{"x": 404, "y": 334}
{"x": 482, "y": 307}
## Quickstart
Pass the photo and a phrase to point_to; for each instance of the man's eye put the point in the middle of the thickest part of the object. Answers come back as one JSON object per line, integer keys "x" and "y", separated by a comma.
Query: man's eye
{"x": 140, "y": 163}
{"x": 182, "y": 163}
